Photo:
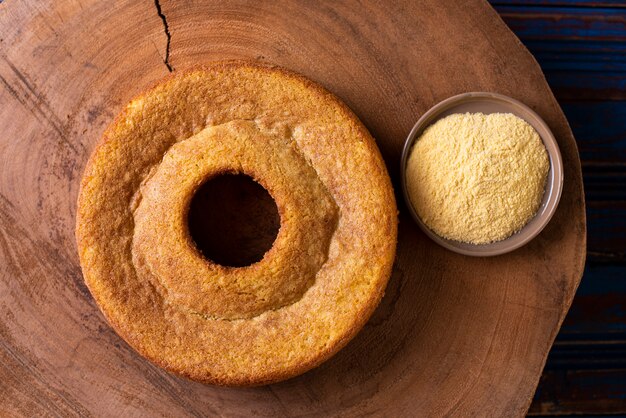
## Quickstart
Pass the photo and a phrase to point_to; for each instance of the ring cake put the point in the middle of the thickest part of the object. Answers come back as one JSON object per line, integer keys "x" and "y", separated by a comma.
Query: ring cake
{"x": 309, "y": 294}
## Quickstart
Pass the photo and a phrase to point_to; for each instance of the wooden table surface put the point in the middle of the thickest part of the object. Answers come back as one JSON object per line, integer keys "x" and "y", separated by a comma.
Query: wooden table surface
{"x": 581, "y": 47}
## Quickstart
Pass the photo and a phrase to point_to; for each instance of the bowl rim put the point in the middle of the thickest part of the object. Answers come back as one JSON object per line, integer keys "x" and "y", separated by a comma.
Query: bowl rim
{"x": 554, "y": 182}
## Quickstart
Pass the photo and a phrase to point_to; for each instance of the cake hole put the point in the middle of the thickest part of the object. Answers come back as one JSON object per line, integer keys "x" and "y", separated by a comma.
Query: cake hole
{"x": 233, "y": 220}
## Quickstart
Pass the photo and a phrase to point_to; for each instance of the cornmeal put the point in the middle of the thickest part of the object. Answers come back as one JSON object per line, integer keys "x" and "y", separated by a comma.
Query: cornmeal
{"x": 477, "y": 178}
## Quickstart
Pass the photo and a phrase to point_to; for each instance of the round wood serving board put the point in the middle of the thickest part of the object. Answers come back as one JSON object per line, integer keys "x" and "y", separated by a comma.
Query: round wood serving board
{"x": 453, "y": 336}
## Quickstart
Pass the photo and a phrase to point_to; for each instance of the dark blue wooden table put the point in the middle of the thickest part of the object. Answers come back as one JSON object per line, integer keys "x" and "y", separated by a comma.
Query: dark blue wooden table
{"x": 581, "y": 46}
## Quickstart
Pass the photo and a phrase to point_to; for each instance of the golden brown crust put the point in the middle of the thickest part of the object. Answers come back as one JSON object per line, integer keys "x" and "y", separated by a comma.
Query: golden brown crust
{"x": 161, "y": 238}
{"x": 187, "y": 110}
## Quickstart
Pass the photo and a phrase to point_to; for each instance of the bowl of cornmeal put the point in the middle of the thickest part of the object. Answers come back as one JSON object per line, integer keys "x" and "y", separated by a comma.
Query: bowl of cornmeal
{"x": 482, "y": 174}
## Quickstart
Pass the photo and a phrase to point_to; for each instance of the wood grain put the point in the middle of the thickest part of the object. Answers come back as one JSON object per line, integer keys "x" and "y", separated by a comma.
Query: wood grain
{"x": 559, "y": 32}
{"x": 453, "y": 335}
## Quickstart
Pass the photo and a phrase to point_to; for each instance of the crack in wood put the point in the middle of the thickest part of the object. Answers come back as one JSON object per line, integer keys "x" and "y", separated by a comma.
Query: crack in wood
{"x": 168, "y": 36}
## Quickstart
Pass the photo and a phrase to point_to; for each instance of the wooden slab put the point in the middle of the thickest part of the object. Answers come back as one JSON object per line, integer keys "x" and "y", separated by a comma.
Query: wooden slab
{"x": 453, "y": 336}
